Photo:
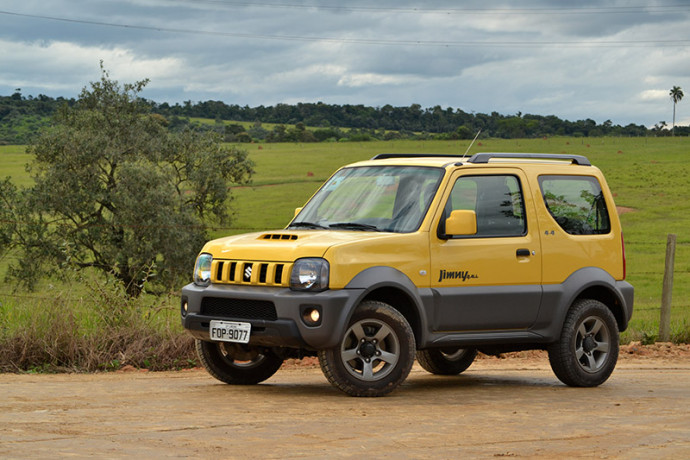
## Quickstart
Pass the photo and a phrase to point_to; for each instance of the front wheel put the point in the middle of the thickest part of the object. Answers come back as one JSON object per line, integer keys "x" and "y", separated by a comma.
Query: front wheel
{"x": 374, "y": 356}
{"x": 587, "y": 351}
{"x": 238, "y": 364}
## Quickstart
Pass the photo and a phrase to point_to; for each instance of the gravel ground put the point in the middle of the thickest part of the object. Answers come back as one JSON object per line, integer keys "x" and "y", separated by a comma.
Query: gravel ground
{"x": 501, "y": 407}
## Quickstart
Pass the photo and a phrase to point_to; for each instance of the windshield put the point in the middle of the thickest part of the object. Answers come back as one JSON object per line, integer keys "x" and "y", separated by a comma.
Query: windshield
{"x": 374, "y": 198}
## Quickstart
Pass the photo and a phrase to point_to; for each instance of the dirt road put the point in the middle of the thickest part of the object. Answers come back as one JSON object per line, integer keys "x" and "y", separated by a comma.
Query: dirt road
{"x": 498, "y": 408}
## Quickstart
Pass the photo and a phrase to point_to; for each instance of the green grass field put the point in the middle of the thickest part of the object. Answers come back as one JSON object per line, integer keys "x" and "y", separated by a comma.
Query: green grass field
{"x": 246, "y": 124}
{"x": 647, "y": 175}
{"x": 13, "y": 160}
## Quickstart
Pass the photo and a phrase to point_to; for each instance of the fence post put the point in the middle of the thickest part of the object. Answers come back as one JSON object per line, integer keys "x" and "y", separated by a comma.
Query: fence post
{"x": 665, "y": 320}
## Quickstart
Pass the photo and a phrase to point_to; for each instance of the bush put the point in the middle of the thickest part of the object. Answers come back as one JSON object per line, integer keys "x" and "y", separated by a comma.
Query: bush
{"x": 104, "y": 332}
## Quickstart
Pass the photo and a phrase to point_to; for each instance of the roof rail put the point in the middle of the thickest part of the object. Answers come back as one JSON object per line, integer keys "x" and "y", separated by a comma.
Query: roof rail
{"x": 485, "y": 157}
{"x": 385, "y": 156}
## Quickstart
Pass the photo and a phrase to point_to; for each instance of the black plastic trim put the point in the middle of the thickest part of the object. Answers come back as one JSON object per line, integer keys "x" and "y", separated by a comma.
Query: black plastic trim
{"x": 484, "y": 157}
{"x": 386, "y": 156}
{"x": 288, "y": 329}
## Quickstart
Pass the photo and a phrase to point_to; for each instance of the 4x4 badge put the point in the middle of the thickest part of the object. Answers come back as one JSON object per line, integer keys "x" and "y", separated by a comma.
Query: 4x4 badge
{"x": 455, "y": 275}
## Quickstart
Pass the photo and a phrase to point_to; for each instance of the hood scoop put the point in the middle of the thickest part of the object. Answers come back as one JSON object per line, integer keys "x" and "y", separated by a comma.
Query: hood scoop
{"x": 278, "y": 237}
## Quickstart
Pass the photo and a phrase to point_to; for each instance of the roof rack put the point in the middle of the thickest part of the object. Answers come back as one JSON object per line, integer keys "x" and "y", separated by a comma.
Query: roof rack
{"x": 485, "y": 157}
{"x": 385, "y": 156}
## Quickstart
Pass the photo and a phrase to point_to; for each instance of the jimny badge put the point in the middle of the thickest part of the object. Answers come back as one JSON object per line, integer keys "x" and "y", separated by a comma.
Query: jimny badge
{"x": 463, "y": 275}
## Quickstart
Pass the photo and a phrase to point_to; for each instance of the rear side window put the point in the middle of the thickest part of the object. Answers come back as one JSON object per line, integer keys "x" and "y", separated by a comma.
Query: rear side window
{"x": 576, "y": 203}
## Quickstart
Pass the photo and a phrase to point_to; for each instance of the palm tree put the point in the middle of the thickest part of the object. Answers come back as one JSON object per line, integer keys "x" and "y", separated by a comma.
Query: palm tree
{"x": 676, "y": 95}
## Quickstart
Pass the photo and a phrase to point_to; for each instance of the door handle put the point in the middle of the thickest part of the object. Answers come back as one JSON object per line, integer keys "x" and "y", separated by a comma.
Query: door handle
{"x": 522, "y": 253}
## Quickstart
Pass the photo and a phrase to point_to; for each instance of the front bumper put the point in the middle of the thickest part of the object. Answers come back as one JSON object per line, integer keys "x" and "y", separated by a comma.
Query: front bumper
{"x": 284, "y": 329}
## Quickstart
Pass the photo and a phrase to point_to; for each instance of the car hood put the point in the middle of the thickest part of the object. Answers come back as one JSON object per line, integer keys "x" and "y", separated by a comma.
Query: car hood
{"x": 285, "y": 245}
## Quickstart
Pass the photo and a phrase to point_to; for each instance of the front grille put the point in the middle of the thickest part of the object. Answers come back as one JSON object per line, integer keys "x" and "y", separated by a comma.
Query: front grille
{"x": 238, "y": 308}
{"x": 251, "y": 273}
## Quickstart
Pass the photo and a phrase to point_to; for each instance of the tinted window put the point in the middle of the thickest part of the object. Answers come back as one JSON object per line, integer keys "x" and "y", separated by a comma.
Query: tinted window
{"x": 576, "y": 203}
{"x": 497, "y": 200}
{"x": 384, "y": 198}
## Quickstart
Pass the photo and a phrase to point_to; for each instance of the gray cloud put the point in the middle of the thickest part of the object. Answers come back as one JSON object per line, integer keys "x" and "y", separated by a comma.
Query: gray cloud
{"x": 539, "y": 57}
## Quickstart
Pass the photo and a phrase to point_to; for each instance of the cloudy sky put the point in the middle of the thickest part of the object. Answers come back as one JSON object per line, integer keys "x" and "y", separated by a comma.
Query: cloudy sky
{"x": 606, "y": 60}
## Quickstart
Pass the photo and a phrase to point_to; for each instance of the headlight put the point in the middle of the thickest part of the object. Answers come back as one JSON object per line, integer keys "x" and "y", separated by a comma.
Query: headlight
{"x": 202, "y": 270}
{"x": 309, "y": 275}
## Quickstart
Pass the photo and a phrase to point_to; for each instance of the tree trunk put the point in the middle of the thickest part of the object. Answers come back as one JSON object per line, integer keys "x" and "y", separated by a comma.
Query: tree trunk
{"x": 673, "y": 128}
{"x": 132, "y": 286}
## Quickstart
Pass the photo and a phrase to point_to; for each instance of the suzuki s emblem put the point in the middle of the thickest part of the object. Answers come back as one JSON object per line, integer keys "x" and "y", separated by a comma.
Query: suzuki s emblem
{"x": 248, "y": 273}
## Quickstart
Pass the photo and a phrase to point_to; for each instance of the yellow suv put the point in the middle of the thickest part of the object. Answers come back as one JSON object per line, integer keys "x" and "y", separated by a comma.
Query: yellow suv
{"x": 433, "y": 256}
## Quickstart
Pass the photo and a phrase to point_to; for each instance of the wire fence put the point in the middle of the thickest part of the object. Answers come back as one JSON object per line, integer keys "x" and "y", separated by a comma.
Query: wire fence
{"x": 628, "y": 243}
{"x": 47, "y": 298}
{"x": 659, "y": 307}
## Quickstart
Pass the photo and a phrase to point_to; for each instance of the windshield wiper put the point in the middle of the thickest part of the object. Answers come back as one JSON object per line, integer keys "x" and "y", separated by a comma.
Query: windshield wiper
{"x": 305, "y": 225}
{"x": 354, "y": 226}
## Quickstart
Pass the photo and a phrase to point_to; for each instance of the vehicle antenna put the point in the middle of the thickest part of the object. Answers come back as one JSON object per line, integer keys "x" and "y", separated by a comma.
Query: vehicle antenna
{"x": 471, "y": 143}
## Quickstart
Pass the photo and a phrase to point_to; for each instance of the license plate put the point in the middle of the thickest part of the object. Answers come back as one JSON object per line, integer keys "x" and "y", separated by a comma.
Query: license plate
{"x": 230, "y": 331}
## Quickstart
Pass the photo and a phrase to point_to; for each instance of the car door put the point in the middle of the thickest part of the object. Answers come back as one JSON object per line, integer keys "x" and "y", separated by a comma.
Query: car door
{"x": 492, "y": 279}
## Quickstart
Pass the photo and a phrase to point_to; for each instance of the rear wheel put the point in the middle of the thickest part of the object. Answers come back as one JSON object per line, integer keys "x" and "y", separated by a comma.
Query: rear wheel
{"x": 446, "y": 361}
{"x": 587, "y": 351}
{"x": 236, "y": 363}
{"x": 374, "y": 356}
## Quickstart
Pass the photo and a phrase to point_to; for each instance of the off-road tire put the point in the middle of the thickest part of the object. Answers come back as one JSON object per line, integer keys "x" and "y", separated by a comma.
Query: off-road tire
{"x": 375, "y": 354}
{"x": 587, "y": 351}
{"x": 238, "y": 364}
{"x": 446, "y": 361}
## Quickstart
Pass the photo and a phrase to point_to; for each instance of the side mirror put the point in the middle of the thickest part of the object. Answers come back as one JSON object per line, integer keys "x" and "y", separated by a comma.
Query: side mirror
{"x": 297, "y": 211}
{"x": 461, "y": 222}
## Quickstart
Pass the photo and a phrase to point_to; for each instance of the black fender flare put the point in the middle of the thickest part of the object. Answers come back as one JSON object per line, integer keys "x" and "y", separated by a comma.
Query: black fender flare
{"x": 558, "y": 298}
{"x": 381, "y": 277}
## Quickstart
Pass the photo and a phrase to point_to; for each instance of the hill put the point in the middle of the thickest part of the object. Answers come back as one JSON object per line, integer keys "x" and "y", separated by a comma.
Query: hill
{"x": 22, "y": 116}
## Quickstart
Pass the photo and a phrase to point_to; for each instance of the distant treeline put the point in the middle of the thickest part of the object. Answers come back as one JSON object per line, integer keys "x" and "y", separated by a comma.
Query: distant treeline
{"x": 21, "y": 117}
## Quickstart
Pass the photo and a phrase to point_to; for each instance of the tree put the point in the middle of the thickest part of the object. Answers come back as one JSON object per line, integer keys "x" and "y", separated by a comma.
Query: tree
{"x": 116, "y": 192}
{"x": 676, "y": 95}
{"x": 660, "y": 127}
